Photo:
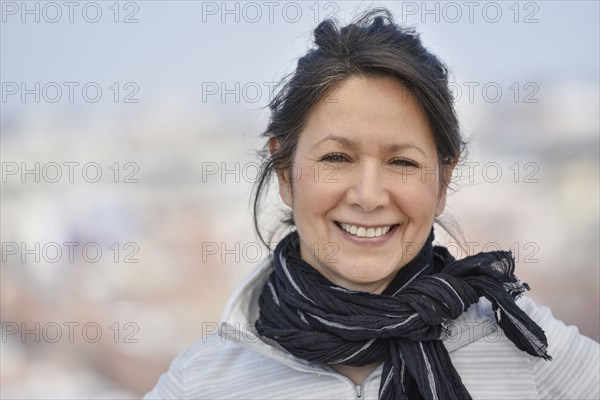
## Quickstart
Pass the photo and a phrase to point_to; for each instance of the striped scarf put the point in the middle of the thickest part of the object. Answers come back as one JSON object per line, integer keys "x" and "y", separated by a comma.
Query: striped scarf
{"x": 403, "y": 327}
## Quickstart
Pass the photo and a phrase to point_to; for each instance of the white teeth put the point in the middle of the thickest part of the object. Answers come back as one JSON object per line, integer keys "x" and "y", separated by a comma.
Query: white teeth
{"x": 361, "y": 231}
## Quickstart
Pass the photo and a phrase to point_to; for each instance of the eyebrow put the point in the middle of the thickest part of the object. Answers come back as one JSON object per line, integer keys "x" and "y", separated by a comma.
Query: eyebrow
{"x": 390, "y": 148}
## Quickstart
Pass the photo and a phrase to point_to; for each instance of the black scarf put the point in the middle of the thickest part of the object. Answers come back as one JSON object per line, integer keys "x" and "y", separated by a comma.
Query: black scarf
{"x": 321, "y": 322}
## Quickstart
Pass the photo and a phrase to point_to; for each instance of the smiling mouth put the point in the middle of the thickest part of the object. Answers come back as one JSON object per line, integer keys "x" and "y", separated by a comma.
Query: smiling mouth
{"x": 365, "y": 232}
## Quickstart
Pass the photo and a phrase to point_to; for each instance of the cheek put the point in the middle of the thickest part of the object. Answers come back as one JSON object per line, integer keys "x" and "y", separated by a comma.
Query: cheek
{"x": 417, "y": 198}
{"x": 311, "y": 193}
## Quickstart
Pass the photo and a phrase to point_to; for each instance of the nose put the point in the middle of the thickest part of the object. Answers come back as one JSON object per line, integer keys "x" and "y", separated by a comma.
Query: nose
{"x": 368, "y": 189}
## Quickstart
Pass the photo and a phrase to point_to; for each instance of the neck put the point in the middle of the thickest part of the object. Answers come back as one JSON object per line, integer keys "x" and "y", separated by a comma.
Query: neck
{"x": 356, "y": 374}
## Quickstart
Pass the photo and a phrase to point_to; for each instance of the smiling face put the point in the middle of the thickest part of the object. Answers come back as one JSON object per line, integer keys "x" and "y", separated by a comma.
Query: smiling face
{"x": 366, "y": 184}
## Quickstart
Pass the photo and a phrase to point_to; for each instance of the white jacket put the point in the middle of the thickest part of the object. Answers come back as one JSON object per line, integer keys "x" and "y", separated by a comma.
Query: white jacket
{"x": 235, "y": 363}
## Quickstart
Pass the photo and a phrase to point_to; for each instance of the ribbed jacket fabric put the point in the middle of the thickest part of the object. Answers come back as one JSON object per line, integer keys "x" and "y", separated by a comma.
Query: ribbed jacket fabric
{"x": 235, "y": 363}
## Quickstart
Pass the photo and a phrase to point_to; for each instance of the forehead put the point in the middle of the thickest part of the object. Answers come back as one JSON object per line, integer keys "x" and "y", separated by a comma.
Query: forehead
{"x": 369, "y": 111}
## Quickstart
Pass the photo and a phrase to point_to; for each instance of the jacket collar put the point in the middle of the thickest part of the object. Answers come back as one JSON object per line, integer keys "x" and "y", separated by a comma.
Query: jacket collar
{"x": 237, "y": 321}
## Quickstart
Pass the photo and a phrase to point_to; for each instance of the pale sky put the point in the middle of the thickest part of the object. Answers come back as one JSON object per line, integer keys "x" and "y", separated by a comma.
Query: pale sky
{"x": 170, "y": 49}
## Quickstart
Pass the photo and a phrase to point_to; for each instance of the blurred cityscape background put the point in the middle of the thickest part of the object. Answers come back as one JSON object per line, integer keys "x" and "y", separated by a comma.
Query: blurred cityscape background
{"x": 129, "y": 133}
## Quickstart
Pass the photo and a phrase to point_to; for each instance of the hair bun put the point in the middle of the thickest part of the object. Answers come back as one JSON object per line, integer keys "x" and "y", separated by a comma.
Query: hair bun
{"x": 378, "y": 22}
{"x": 325, "y": 34}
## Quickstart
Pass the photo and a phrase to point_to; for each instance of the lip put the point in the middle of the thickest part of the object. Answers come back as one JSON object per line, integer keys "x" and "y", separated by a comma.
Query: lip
{"x": 367, "y": 241}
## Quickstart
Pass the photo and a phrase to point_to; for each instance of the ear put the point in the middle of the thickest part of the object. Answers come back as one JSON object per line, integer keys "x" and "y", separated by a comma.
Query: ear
{"x": 285, "y": 185}
{"x": 446, "y": 176}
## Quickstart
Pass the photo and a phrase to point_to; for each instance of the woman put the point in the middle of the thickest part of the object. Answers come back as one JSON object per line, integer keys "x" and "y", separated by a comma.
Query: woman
{"x": 356, "y": 302}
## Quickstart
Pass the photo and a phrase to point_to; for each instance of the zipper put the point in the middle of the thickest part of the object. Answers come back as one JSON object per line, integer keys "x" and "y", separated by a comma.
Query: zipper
{"x": 359, "y": 391}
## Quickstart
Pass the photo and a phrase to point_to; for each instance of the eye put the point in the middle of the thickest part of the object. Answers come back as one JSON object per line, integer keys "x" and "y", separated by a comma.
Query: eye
{"x": 404, "y": 162}
{"x": 335, "y": 157}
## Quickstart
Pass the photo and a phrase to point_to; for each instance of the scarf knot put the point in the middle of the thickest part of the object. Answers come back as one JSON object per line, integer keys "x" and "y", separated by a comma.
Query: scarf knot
{"x": 403, "y": 327}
